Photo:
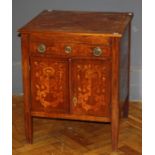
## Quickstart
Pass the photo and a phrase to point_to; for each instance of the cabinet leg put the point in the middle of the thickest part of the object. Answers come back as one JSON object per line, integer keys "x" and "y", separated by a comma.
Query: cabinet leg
{"x": 115, "y": 128}
{"x": 28, "y": 128}
{"x": 126, "y": 108}
{"x": 115, "y": 133}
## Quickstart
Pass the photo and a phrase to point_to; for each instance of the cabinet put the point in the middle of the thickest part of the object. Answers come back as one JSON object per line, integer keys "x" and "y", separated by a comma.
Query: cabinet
{"x": 76, "y": 66}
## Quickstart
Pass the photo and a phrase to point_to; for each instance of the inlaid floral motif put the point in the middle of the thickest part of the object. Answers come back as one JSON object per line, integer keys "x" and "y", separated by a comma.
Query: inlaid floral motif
{"x": 90, "y": 86}
{"x": 49, "y": 79}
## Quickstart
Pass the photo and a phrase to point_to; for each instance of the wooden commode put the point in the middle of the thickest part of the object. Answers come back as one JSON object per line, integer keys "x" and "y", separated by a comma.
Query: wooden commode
{"x": 76, "y": 66}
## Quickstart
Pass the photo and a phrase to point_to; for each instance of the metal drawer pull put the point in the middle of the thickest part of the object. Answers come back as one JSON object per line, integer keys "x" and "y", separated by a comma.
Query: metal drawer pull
{"x": 68, "y": 49}
{"x": 41, "y": 48}
{"x": 97, "y": 51}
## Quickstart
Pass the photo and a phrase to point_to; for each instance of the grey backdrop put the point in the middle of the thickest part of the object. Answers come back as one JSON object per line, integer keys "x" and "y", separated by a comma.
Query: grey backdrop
{"x": 25, "y": 10}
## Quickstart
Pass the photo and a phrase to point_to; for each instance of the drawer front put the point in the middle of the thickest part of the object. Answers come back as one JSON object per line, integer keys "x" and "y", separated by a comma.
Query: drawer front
{"x": 49, "y": 85}
{"x": 69, "y": 48}
{"x": 90, "y": 87}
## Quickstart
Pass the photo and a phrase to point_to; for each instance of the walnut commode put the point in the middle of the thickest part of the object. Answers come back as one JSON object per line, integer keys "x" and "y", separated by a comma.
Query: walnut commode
{"x": 76, "y": 66}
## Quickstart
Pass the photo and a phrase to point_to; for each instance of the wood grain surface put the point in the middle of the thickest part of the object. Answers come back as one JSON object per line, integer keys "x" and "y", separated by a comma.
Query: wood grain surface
{"x": 106, "y": 23}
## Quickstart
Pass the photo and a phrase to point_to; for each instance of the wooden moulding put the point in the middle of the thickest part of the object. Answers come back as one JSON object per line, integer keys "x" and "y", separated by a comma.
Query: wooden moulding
{"x": 71, "y": 117}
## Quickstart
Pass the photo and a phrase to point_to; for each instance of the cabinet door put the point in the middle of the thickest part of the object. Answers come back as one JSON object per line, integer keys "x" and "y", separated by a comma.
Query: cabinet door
{"x": 90, "y": 92}
{"x": 49, "y": 85}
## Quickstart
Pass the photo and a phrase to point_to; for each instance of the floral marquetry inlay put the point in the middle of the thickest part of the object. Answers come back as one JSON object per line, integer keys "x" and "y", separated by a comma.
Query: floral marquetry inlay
{"x": 90, "y": 87}
{"x": 48, "y": 80}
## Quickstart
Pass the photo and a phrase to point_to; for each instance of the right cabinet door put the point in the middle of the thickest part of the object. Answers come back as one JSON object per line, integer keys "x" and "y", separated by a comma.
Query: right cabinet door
{"x": 90, "y": 87}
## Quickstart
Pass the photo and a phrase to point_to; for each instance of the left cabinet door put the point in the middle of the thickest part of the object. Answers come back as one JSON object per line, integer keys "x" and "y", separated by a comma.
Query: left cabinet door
{"x": 49, "y": 85}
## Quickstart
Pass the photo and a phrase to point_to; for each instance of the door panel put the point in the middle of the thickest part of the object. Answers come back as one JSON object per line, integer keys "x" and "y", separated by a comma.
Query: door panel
{"x": 49, "y": 85}
{"x": 90, "y": 87}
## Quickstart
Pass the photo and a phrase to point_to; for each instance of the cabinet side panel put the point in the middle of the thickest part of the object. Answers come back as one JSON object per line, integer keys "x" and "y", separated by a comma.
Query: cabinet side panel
{"x": 124, "y": 67}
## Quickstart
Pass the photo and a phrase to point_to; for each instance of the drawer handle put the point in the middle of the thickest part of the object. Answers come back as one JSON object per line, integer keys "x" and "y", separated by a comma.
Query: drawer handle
{"x": 97, "y": 51}
{"x": 68, "y": 49}
{"x": 41, "y": 48}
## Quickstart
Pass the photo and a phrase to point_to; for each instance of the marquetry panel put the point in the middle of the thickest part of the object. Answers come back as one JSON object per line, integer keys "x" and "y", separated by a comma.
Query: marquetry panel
{"x": 49, "y": 83}
{"x": 90, "y": 87}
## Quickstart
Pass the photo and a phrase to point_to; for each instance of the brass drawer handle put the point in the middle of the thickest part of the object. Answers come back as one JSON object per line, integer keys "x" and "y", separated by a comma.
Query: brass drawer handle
{"x": 41, "y": 48}
{"x": 97, "y": 51}
{"x": 68, "y": 49}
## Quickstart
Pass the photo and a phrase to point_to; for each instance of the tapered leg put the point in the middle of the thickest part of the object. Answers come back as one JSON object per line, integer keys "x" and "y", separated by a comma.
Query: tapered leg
{"x": 115, "y": 129}
{"x": 28, "y": 128}
{"x": 115, "y": 105}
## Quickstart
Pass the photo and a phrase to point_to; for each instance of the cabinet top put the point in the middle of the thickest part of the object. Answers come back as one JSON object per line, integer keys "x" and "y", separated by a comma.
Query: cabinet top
{"x": 103, "y": 23}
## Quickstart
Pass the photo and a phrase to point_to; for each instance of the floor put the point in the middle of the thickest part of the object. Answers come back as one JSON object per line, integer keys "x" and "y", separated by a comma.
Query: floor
{"x": 63, "y": 137}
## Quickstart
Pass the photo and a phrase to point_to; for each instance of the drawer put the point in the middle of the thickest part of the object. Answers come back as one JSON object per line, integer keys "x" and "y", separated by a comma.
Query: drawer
{"x": 69, "y": 49}
{"x": 72, "y": 47}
